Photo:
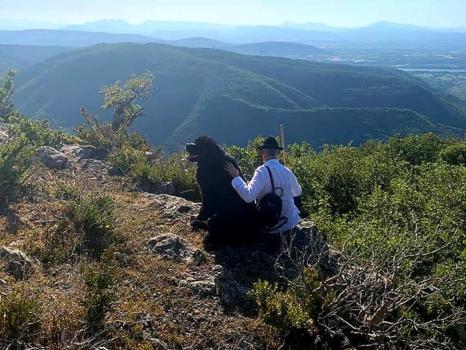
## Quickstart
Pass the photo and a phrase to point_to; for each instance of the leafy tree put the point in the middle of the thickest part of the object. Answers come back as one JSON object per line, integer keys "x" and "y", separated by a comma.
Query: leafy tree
{"x": 121, "y": 99}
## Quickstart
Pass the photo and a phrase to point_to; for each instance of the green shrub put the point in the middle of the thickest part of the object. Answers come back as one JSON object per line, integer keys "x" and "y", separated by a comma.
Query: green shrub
{"x": 416, "y": 149}
{"x": 15, "y": 160}
{"x": 121, "y": 98}
{"x": 177, "y": 170}
{"x": 455, "y": 153}
{"x": 292, "y": 310}
{"x": 19, "y": 316}
{"x": 92, "y": 216}
{"x": 6, "y": 96}
{"x": 99, "y": 279}
{"x": 38, "y": 133}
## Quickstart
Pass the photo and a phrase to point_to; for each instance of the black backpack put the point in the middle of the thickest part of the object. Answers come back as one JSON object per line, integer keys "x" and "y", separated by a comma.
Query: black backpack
{"x": 270, "y": 207}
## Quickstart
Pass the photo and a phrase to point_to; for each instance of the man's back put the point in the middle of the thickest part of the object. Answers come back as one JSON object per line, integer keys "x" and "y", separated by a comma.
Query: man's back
{"x": 286, "y": 186}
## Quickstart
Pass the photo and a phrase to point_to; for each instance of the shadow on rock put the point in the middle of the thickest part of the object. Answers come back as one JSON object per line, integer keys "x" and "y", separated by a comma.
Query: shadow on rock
{"x": 275, "y": 259}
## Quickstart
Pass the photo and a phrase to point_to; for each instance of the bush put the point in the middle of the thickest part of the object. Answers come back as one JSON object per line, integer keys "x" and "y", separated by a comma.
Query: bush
{"x": 92, "y": 216}
{"x": 99, "y": 296}
{"x": 455, "y": 153}
{"x": 19, "y": 316}
{"x": 121, "y": 98}
{"x": 15, "y": 159}
{"x": 38, "y": 133}
{"x": 6, "y": 96}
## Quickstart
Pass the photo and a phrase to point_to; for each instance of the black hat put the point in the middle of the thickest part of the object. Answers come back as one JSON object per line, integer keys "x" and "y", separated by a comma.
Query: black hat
{"x": 270, "y": 143}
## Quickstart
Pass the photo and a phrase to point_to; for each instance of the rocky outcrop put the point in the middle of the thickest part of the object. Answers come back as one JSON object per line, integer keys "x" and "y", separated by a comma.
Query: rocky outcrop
{"x": 4, "y": 127}
{"x": 158, "y": 188}
{"x": 174, "y": 208}
{"x": 17, "y": 263}
{"x": 171, "y": 246}
{"x": 52, "y": 158}
{"x": 79, "y": 152}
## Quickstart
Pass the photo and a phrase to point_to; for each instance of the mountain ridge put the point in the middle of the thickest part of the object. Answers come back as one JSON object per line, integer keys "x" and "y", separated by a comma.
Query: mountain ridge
{"x": 209, "y": 91}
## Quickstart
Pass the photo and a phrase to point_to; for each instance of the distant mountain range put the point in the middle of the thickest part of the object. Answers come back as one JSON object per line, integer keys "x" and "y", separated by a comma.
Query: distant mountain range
{"x": 235, "y": 97}
{"x": 388, "y": 35}
{"x": 312, "y": 33}
{"x": 68, "y": 38}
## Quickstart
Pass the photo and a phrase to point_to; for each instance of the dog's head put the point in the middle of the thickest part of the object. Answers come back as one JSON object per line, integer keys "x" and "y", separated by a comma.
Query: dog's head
{"x": 203, "y": 148}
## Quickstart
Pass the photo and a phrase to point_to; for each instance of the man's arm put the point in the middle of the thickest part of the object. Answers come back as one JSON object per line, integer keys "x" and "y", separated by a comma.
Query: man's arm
{"x": 247, "y": 191}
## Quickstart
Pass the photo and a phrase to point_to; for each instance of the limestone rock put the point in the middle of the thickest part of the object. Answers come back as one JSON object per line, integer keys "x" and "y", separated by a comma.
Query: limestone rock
{"x": 173, "y": 207}
{"x": 158, "y": 188}
{"x": 171, "y": 246}
{"x": 18, "y": 264}
{"x": 52, "y": 158}
{"x": 4, "y": 127}
{"x": 79, "y": 151}
{"x": 202, "y": 288}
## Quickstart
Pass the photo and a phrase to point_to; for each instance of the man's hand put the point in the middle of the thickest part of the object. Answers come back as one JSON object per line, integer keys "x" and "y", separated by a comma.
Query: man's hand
{"x": 231, "y": 169}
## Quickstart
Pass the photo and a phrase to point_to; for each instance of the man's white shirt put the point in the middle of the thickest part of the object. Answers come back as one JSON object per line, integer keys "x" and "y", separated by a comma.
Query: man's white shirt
{"x": 260, "y": 185}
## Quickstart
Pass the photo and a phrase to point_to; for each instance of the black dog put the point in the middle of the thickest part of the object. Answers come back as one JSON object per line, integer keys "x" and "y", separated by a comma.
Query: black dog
{"x": 227, "y": 218}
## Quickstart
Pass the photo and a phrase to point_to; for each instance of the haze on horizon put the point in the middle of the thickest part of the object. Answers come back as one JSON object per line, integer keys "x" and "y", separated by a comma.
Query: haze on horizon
{"x": 342, "y": 13}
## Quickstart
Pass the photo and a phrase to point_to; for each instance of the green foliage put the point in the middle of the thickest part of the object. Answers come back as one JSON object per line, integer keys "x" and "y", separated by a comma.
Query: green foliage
{"x": 19, "y": 316}
{"x": 455, "y": 153}
{"x": 92, "y": 216}
{"x": 15, "y": 159}
{"x": 38, "y": 133}
{"x": 396, "y": 208}
{"x": 100, "y": 278}
{"x": 120, "y": 97}
{"x": 293, "y": 310}
{"x": 6, "y": 96}
{"x": 416, "y": 149}
{"x": 111, "y": 137}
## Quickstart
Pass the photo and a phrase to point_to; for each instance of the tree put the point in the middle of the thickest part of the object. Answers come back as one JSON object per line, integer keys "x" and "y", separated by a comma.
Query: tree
{"x": 121, "y": 98}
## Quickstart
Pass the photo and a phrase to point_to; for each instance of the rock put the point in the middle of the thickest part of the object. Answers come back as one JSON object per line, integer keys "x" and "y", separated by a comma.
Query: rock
{"x": 18, "y": 264}
{"x": 158, "y": 344}
{"x": 52, "y": 158}
{"x": 200, "y": 287}
{"x": 158, "y": 188}
{"x": 173, "y": 207}
{"x": 171, "y": 246}
{"x": 79, "y": 151}
{"x": 4, "y": 127}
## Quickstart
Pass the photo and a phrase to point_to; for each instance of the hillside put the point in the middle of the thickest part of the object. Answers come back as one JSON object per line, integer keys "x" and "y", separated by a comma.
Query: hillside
{"x": 67, "y": 38}
{"x": 208, "y": 91}
{"x": 23, "y": 56}
{"x": 277, "y": 49}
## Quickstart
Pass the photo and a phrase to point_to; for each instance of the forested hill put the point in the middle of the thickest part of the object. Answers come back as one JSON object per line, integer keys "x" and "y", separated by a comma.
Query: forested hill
{"x": 235, "y": 97}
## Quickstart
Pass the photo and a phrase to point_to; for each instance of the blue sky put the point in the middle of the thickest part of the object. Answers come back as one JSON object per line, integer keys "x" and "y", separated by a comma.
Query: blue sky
{"x": 435, "y": 13}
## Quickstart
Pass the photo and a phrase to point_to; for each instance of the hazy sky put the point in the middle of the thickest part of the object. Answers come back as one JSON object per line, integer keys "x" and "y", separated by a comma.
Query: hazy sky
{"x": 436, "y": 13}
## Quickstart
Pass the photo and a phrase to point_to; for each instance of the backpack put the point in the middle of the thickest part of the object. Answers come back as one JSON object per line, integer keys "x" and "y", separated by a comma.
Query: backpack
{"x": 270, "y": 207}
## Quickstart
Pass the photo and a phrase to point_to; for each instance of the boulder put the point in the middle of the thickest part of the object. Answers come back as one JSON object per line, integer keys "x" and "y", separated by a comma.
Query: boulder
{"x": 174, "y": 208}
{"x": 158, "y": 188}
{"x": 52, "y": 158}
{"x": 79, "y": 151}
{"x": 171, "y": 246}
{"x": 18, "y": 264}
{"x": 199, "y": 287}
{"x": 4, "y": 127}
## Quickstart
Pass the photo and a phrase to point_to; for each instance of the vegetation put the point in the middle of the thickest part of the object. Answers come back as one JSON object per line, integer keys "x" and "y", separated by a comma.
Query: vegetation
{"x": 395, "y": 212}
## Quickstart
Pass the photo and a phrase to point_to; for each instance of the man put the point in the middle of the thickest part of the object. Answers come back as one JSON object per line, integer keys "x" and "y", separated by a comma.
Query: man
{"x": 285, "y": 182}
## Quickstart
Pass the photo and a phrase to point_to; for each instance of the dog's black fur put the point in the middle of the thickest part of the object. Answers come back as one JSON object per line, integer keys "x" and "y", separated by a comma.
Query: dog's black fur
{"x": 227, "y": 218}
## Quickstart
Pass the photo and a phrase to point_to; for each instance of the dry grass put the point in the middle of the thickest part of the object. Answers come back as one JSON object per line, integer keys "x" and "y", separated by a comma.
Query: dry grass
{"x": 150, "y": 308}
